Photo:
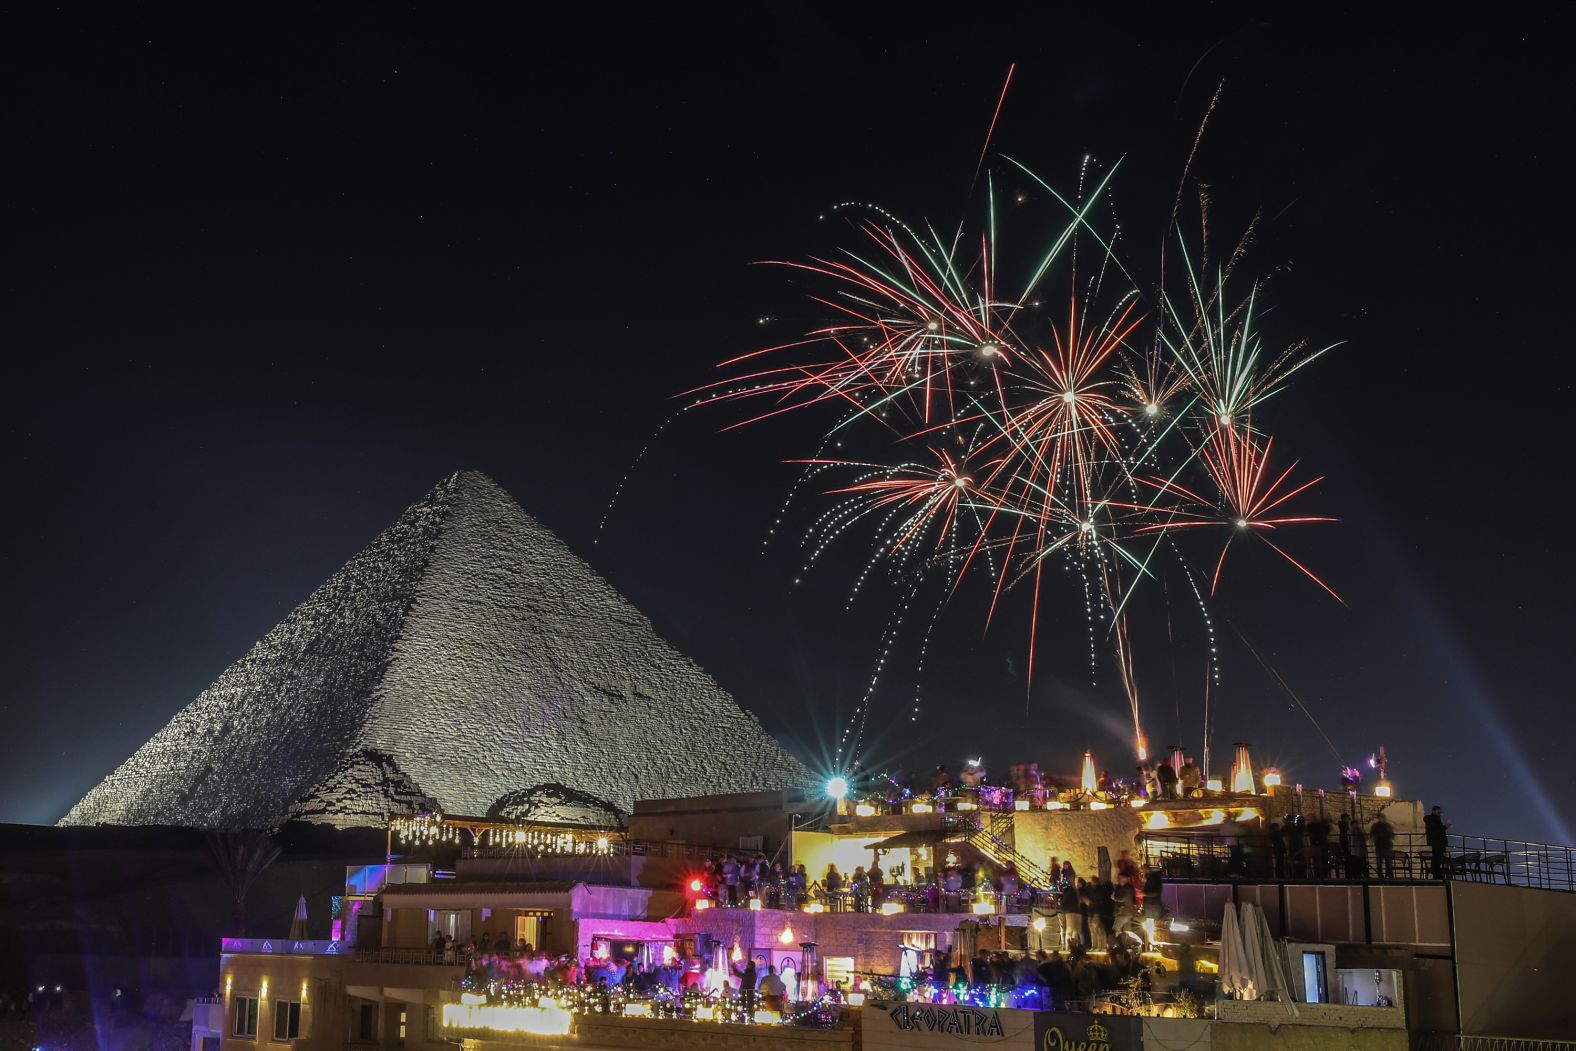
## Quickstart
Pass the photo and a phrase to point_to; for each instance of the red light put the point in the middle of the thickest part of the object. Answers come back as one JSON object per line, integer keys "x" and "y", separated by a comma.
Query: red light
{"x": 695, "y": 885}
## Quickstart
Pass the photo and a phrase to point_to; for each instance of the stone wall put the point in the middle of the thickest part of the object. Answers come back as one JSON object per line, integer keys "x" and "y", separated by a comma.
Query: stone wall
{"x": 1076, "y": 835}
{"x": 1258, "y": 1036}
{"x": 1340, "y": 1016}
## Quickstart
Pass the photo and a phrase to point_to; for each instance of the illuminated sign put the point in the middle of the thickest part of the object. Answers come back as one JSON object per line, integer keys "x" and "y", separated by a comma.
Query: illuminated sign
{"x": 1096, "y": 1037}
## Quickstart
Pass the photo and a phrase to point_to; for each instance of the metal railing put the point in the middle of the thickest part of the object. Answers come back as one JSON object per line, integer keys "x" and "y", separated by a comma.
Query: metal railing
{"x": 1453, "y": 1042}
{"x": 1476, "y": 859}
{"x": 428, "y": 956}
{"x": 922, "y": 899}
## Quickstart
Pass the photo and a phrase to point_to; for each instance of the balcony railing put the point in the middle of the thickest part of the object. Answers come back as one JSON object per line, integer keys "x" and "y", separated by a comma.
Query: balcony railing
{"x": 1476, "y": 859}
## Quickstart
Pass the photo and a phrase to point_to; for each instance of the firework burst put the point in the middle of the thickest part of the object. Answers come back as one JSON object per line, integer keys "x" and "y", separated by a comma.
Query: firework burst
{"x": 1097, "y": 437}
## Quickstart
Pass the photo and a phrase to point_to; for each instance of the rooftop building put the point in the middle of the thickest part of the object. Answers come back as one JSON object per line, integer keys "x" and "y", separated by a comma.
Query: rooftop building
{"x": 1248, "y": 909}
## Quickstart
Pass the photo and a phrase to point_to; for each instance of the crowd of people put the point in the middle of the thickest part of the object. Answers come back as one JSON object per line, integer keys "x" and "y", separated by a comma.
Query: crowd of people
{"x": 730, "y": 880}
{"x": 1319, "y": 849}
{"x": 1053, "y": 980}
{"x": 1026, "y": 781}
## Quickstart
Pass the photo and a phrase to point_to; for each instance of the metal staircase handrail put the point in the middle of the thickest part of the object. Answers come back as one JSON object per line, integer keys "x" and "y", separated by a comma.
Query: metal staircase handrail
{"x": 993, "y": 847}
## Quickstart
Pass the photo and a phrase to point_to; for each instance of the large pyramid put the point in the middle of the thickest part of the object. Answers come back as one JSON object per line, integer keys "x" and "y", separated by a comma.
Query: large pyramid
{"x": 464, "y": 654}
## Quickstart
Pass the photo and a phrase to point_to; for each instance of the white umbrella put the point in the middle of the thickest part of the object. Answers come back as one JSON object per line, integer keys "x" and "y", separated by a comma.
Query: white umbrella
{"x": 1253, "y": 952}
{"x": 1272, "y": 970}
{"x": 298, "y": 921}
{"x": 1235, "y": 977}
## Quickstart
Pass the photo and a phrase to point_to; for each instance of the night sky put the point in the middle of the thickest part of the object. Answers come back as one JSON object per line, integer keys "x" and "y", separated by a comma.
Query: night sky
{"x": 267, "y": 281}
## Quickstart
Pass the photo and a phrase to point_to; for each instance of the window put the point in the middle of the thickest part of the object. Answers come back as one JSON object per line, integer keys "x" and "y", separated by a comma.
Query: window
{"x": 917, "y": 939}
{"x": 245, "y": 1016}
{"x": 839, "y": 969}
{"x": 1313, "y": 987}
{"x": 367, "y": 1028}
{"x": 402, "y": 1020}
{"x": 287, "y": 1019}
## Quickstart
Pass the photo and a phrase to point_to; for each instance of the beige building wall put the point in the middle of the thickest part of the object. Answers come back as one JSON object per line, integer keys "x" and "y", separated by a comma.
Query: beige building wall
{"x": 1512, "y": 945}
{"x": 1076, "y": 835}
{"x": 332, "y": 991}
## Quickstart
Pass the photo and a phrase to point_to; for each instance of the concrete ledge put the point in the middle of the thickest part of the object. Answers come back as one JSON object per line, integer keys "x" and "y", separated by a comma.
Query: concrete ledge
{"x": 1331, "y": 1015}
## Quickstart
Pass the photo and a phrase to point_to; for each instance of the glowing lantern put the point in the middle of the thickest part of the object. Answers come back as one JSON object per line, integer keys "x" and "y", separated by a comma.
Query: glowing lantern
{"x": 755, "y": 904}
{"x": 856, "y": 999}
{"x": 1136, "y": 801}
{"x": 696, "y": 885}
{"x": 1055, "y": 804}
{"x": 1097, "y": 805}
{"x": 702, "y": 903}
{"x": 1242, "y": 770}
{"x": 786, "y": 937}
{"x": 1271, "y": 779}
{"x": 1088, "y": 780}
{"x": 1247, "y": 813}
{"x": 864, "y": 810}
{"x": 1213, "y": 784}
{"x": 891, "y": 908}
{"x": 1382, "y": 790}
{"x": 921, "y": 808}
{"x": 736, "y": 954}
{"x": 1158, "y": 820}
{"x": 1215, "y": 817}
{"x": 965, "y": 805}
{"x": 1039, "y": 923}
{"x": 1020, "y": 804}
{"x": 984, "y": 908}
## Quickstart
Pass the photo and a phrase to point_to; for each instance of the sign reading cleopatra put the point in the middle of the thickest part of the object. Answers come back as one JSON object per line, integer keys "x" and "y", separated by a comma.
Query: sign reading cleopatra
{"x": 942, "y": 1018}
{"x": 960, "y": 1027}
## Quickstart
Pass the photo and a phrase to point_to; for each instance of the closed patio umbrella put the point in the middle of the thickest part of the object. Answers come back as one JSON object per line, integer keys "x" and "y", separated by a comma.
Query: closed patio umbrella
{"x": 1236, "y": 977}
{"x": 298, "y": 921}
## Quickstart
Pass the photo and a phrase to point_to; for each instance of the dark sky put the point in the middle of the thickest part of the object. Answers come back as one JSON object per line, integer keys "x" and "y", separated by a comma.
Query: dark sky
{"x": 267, "y": 281}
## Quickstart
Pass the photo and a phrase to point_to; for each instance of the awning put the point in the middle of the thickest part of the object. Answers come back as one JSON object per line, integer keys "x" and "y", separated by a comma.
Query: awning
{"x": 928, "y": 837}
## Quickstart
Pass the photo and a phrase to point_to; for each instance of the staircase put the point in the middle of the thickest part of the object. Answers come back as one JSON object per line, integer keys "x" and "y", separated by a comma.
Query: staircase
{"x": 992, "y": 842}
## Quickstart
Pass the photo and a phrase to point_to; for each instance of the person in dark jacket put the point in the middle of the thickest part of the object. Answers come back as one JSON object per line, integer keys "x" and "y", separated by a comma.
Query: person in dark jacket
{"x": 1434, "y": 833}
{"x": 1383, "y": 835}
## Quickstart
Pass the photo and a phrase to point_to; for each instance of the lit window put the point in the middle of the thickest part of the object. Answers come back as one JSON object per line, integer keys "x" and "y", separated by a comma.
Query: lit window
{"x": 838, "y": 969}
{"x": 402, "y": 1020}
{"x": 287, "y": 1019}
{"x": 245, "y": 1016}
{"x": 917, "y": 939}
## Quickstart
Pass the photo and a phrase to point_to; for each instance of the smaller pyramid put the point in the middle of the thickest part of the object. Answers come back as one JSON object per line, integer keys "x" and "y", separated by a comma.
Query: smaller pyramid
{"x": 556, "y": 804}
{"x": 366, "y": 788}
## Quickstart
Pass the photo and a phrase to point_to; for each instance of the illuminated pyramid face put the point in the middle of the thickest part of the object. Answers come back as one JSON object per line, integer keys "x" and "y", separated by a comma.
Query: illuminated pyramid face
{"x": 465, "y": 653}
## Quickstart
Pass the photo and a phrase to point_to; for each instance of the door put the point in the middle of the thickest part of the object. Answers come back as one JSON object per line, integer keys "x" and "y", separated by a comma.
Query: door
{"x": 456, "y": 923}
{"x": 528, "y": 929}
